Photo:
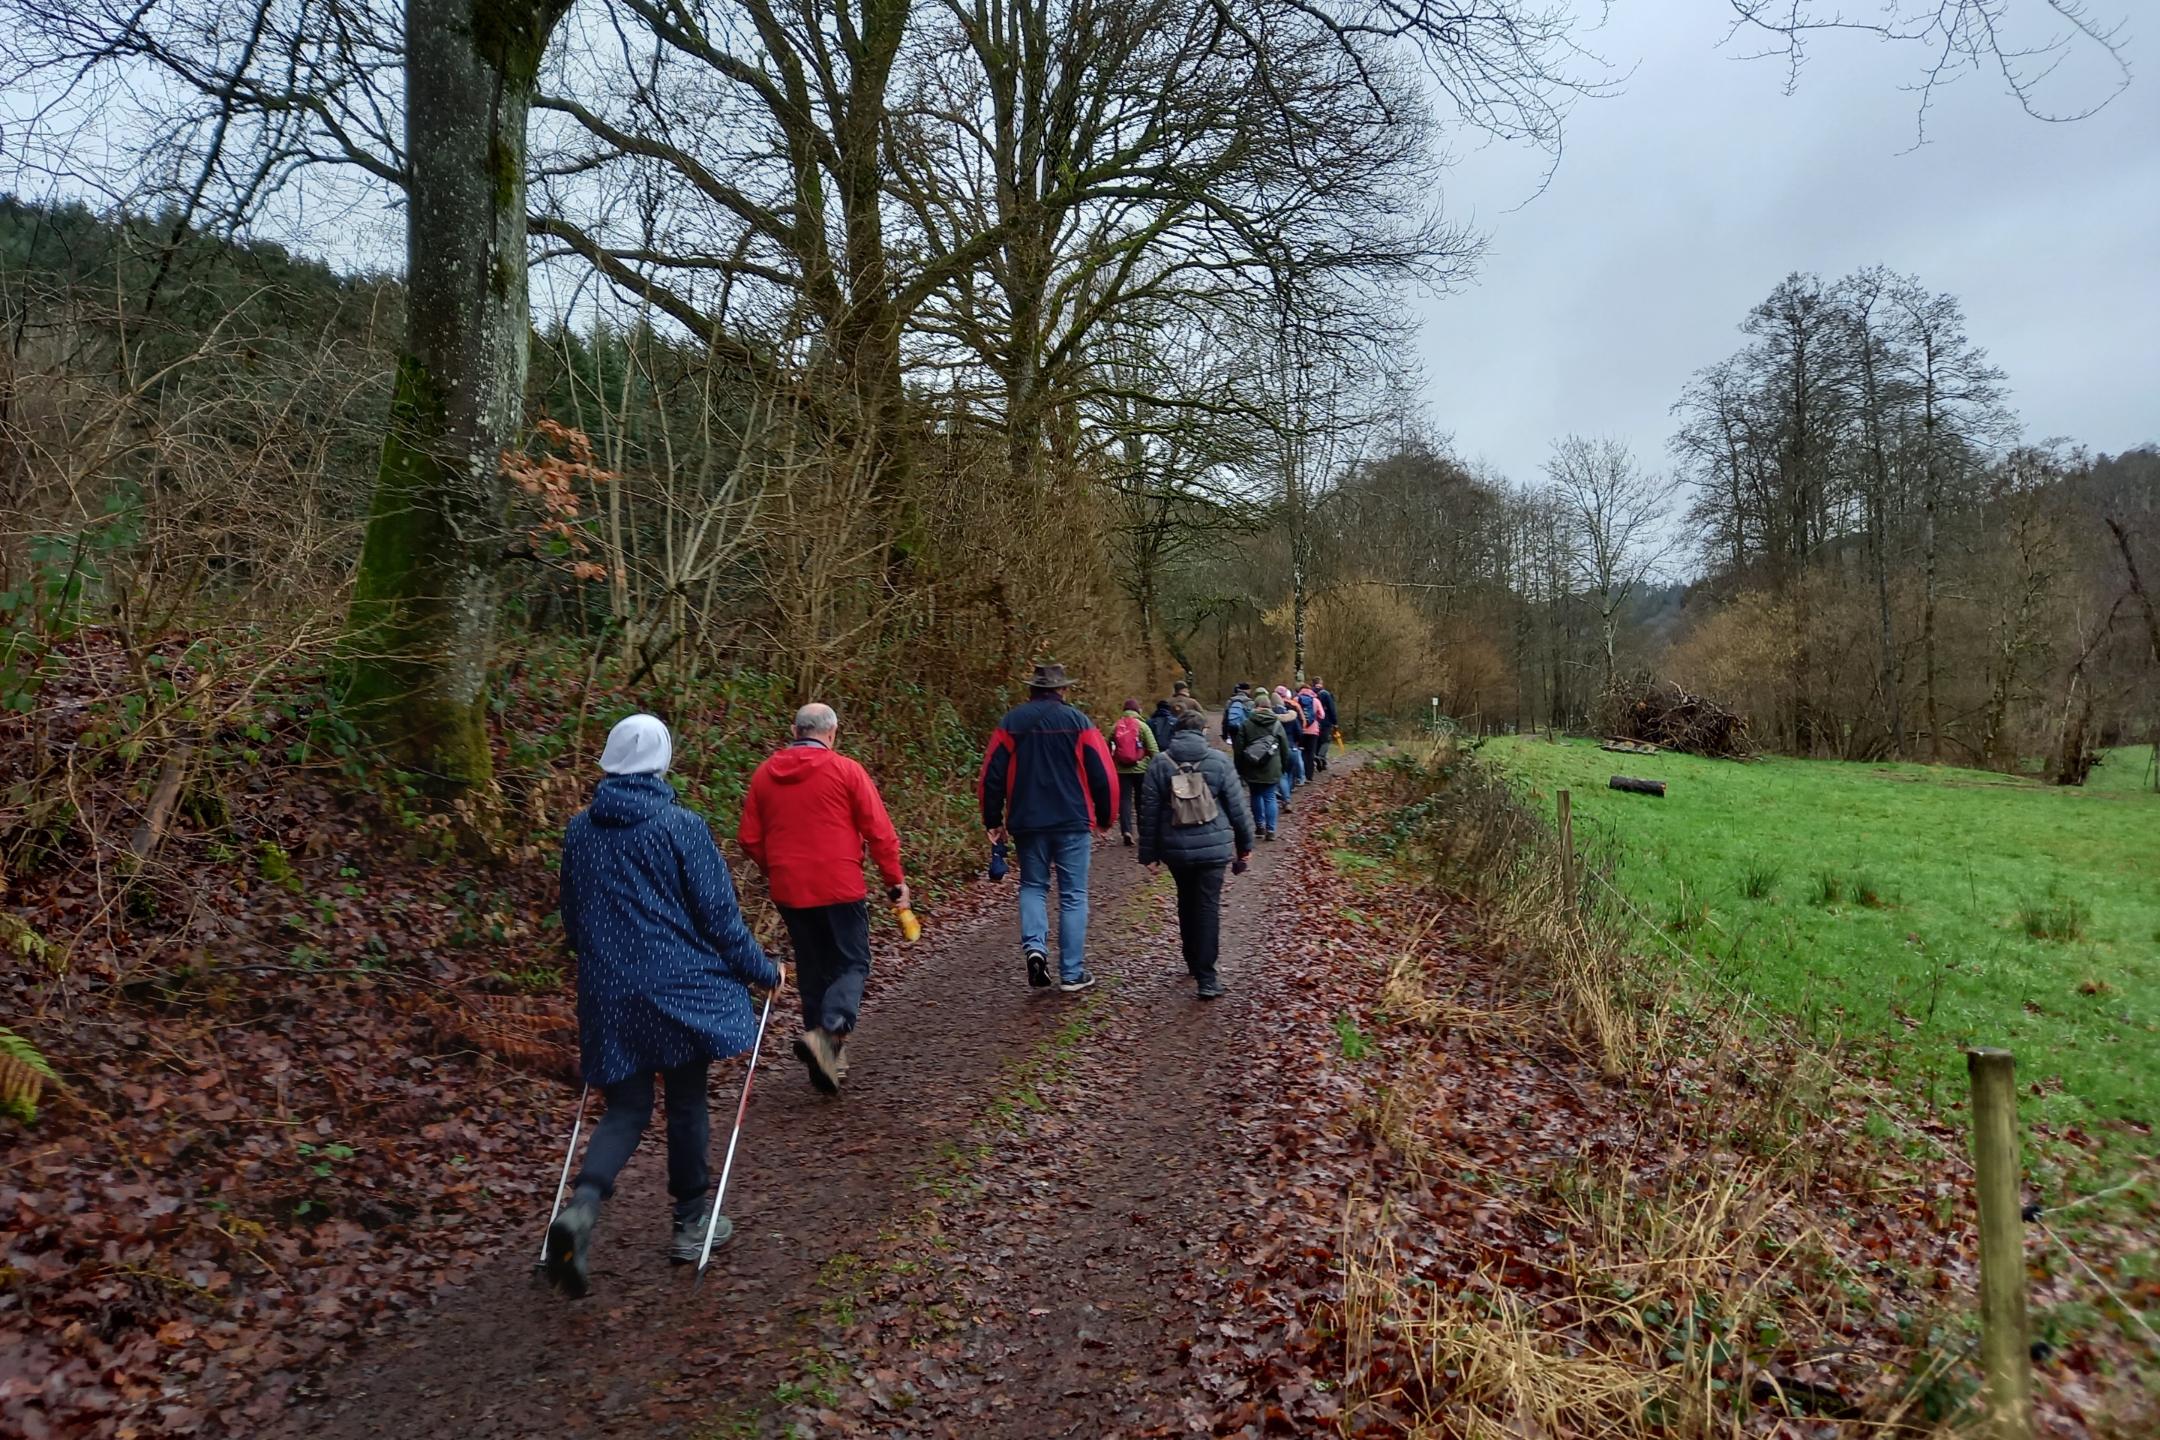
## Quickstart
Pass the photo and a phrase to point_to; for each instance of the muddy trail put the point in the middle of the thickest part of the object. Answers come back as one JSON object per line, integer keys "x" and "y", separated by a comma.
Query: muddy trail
{"x": 1069, "y": 1265}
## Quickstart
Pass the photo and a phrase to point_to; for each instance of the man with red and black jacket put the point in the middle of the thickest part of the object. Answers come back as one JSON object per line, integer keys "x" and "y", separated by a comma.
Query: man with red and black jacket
{"x": 809, "y": 815}
{"x": 1047, "y": 781}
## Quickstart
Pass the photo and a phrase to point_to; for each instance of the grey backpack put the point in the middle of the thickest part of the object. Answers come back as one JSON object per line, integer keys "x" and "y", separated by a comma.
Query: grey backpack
{"x": 1192, "y": 799}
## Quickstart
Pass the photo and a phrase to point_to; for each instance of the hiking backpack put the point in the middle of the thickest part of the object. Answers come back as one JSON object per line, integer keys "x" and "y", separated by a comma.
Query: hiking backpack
{"x": 1234, "y": 715}
{"x": 1192, "y": 799}
{"x": 1125, "y": 741}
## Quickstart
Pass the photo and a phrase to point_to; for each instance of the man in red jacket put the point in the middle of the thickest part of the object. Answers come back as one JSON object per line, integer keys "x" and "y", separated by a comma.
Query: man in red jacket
{"x": 809, "y": 815}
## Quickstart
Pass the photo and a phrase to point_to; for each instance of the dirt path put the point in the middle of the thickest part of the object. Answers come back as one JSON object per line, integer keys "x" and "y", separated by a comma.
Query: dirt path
{"x": 1084, "y": 1232}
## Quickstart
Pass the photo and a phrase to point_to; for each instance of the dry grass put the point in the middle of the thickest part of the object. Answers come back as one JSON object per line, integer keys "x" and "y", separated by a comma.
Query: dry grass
{"x": 1671, "y": 1309}
{"x": 1481, "y": 1364}
{"x": 1486, "y": 845}
{"x": 1695, "y": 1287}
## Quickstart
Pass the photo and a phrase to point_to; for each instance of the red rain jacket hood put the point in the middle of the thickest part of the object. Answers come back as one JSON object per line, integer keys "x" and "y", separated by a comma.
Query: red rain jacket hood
{"x": 809, "y": 816}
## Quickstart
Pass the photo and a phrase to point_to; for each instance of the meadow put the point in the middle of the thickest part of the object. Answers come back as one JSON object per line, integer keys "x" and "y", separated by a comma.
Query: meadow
{"x": 1912, "y": 910}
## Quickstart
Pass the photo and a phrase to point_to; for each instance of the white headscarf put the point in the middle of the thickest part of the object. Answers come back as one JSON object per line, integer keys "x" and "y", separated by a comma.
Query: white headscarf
{"x": 638, "y": 745}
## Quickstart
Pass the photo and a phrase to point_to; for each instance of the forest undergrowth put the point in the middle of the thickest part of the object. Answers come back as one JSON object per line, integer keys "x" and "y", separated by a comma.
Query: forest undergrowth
{"x": 304, "y": 1030}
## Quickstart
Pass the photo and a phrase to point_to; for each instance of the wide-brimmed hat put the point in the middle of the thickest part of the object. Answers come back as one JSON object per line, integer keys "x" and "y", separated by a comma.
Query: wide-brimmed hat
{"x": 1049, "y": 675}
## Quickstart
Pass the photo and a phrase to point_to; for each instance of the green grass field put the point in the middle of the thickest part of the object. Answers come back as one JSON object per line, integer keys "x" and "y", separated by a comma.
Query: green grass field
{"x": 1917, "y": 910}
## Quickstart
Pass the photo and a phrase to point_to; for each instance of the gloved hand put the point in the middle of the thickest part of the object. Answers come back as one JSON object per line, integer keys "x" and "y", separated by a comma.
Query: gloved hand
{"x": 1243, "y": 863}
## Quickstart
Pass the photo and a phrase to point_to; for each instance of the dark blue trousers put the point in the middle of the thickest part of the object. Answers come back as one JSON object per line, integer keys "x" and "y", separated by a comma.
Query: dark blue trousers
{"x": 689, "y": 1135}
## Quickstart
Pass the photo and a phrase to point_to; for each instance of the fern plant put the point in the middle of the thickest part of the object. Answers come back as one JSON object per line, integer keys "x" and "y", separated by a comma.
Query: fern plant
{"x": 23, "y": 1073}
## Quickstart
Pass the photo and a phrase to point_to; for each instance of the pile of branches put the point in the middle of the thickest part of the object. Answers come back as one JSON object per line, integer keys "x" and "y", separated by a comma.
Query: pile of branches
{"x": 1662, "y": 714}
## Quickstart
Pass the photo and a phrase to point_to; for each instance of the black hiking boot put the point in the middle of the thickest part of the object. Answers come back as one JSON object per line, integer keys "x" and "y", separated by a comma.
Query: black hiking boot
{"x": 1211, "y": 988}
{"x": 1038, "y": 969}
{"x": 815, "y": 1049}
{"x": 689, "y": 1241}
{"x": 569, "y": 1245}
{"x": 1080, "y": 982}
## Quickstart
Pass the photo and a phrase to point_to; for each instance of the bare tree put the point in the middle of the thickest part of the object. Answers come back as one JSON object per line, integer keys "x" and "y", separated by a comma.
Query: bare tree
{"x": 1618, "y": 515}
{"x": 432, "y": 102}
{"x": 1959, "y": 396}
{"x": 1959, "y": 37}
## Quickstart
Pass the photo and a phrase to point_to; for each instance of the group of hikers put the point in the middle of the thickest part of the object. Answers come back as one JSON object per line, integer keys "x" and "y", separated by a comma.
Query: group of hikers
{"x": 670, "y": 976}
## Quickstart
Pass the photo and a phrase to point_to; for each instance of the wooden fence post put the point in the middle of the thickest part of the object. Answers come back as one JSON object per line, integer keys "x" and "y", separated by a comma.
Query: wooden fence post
{"x": 1567, "y": 852}
{"x": 2004, "y": 1348}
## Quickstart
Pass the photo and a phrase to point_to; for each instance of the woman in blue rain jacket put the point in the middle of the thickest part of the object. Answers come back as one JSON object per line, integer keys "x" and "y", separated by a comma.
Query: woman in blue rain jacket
{"x": 665, "y": 969}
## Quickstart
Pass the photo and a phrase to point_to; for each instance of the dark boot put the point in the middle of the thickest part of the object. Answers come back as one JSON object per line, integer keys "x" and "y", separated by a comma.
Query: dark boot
{"x": 1211, "y": 987}
{"x": 569, "y": 1244}
{"x": 689, "y": 1241}
{"x": 815, "y": 1049}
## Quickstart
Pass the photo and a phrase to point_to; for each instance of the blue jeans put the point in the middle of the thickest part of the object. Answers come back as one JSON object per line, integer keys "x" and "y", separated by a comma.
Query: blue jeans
{"x": 1263, "y": 806}
{"x": 1294, "y": 765}
{"x": 1070, "y": 851}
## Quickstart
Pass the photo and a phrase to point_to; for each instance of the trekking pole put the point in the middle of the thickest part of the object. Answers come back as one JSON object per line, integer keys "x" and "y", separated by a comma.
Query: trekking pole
{"x": 727, "y": 1165}
{"x": 564, "y": 1183}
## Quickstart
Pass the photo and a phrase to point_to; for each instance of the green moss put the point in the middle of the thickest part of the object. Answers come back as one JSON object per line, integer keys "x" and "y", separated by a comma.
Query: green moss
{"x": 504, "y": 164}
{"x": 397, "y": 630}
{"x": 276, "y": 866}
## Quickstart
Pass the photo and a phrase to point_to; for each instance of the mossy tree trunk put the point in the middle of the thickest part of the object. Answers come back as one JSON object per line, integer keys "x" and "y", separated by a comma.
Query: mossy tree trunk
{"x": 418, "y": 637}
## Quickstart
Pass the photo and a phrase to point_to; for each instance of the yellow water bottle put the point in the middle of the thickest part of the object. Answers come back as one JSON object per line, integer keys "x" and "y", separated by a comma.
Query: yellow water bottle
{"x": 910, "y": 927}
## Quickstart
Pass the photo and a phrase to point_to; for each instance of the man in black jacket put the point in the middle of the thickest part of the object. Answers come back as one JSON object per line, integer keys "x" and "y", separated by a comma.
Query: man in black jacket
{"x": 1047, "y": 780}
{"x": 1194, "y": 818}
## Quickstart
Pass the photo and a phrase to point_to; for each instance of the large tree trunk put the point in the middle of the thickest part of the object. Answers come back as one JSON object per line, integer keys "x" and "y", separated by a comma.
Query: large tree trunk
{"x": 418, "y": 637}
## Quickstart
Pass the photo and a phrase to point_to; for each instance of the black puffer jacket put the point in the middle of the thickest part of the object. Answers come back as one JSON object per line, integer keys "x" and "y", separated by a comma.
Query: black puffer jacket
{"x": 1262, "y": 725}
{"x": 1164, "y": 723}
{"x": 1222, "y": 839}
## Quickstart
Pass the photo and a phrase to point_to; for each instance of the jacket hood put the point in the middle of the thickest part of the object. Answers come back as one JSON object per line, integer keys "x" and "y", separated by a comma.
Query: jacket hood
{"x": 1263, "y": 720}
{"x": 626, "y": 800}
{"x": 1189, "y": 745}
{"x": 797, "y": 763}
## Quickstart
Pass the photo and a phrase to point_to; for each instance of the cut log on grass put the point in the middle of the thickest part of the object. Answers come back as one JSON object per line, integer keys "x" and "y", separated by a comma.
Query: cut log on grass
{"x": 1637, "y": 787}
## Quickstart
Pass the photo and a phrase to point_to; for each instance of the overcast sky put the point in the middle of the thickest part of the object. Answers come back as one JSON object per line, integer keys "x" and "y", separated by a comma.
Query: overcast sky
{"x": 1679, "y": 203}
